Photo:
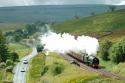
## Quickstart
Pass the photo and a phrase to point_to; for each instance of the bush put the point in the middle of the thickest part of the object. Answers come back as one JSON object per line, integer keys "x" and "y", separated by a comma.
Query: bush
{"x": 44, "y": 70}
{"x": 104, "y": 48}
{"x": 40, "y": 48}
{"x": 9, "y": 69}
{"x": 14, "y": 56}
{"x": 9, "y": 63}
{"x": 57, "y": 68}
{"x": 3, "y": 48}
{"x": 112, "y": 8}
{"x": 7, "y": 81}
{"x": 117, "y": 51}
{"x": 2, "y": 65}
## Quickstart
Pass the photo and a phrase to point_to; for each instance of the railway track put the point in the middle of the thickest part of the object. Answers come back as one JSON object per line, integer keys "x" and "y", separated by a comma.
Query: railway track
{"x": 102, "y": 72}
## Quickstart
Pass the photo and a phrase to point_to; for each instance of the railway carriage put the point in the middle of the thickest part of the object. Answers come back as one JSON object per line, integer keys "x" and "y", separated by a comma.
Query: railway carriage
{"x": 86, "y": 59}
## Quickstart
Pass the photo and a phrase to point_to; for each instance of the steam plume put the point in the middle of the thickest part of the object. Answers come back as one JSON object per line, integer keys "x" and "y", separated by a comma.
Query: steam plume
{"x": 63, "y": 43}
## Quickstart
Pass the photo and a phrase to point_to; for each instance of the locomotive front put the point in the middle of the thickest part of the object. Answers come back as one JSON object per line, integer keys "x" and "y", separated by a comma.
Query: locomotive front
{"x": 93, "y": 61}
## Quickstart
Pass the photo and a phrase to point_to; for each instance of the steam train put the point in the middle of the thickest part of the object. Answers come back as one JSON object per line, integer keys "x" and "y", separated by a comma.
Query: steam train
{"x": 86, "y": 59}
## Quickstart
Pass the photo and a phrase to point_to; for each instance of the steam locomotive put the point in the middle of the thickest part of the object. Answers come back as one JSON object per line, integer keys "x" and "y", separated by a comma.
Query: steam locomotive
{"x": 86, "y": 59}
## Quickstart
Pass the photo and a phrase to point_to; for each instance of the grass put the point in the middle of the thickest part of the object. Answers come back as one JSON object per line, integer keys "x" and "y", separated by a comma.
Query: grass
{"x": 70, "y": 74}
{"x": 20, "y": 49}
{"x": 35, "y": 69}
{"x": 116, "y": 68}
{"x": 5, "y": 77}
{"x": 1, "y": 75}
{"x": 104, "y": 80}
{"x": 95, "y": 25}
{"x": 11, "y": 26}
{"x": 119, "y": 69}
{"x": 115, "y": 36}
{"x": 112, "y": 67}
{"x": 103, "y": 22}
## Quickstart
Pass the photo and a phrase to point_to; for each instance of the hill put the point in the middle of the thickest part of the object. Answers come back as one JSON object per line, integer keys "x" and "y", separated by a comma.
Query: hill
{"x": 98, "y": 24}
{"x": 49, "y": 13}
{"x": 11, "y": 26}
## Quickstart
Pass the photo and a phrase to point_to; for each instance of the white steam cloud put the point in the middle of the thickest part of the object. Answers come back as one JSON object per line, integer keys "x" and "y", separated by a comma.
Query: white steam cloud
{"x": 63, "y": 43}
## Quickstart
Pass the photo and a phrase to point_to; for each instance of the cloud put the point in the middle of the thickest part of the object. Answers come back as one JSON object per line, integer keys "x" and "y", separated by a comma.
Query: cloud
{"x": 16, "y": 2}
{"x": 114, "y": 1}
{"x": 55, "y": 2}
{"x": 121, "y": 3}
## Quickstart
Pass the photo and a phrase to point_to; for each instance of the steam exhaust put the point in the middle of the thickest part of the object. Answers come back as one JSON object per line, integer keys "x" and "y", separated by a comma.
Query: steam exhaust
{"x": 64, "y": 43}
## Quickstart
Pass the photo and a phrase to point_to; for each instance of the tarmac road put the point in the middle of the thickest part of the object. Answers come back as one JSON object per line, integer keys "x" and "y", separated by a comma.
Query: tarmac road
{"x": 20, "y": 77}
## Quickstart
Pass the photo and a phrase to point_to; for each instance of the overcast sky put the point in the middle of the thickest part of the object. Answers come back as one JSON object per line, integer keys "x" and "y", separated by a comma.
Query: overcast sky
{"x": 57, "y": 2}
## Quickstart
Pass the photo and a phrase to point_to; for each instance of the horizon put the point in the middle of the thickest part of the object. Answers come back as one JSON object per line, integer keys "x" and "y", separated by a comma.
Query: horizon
{"x": 61, "y": 5}
{"x": 13, "y": 3}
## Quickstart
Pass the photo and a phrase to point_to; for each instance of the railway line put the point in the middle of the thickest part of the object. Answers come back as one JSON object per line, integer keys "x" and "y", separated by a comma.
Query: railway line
{"x": 102, "y": 72}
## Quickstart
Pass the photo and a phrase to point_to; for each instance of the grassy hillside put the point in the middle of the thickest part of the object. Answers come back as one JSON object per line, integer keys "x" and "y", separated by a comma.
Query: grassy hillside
{"x": 70, "y": 73}
{"x": 35, "y": 69}
{"x": 111, "y": 21}
{"x": 11, "y": 26}
{"x": 5, "y": 77}
{"x": 20, "y": 49}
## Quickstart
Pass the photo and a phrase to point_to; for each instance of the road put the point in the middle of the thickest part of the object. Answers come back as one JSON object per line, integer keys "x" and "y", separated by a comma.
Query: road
{"x": 20, "y": 77}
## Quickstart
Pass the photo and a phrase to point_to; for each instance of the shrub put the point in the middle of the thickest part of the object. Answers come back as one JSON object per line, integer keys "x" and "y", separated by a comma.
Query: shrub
{"x": 9, "y": 62}
{"x": 2, "y": 65}
{"x": 9, "y": 69}
{"x": 7, "y": 81}
{"x": 57, "y": 68}
{"x": 44, "y": 70}
{"x": 3, "y": 48}
{"x": 40, "y": 48}
{"x": 117, "y": 51}
{"x": 112, "y": 8}
{"x": 104, "y": 48}
{"x": 14, "y": 56}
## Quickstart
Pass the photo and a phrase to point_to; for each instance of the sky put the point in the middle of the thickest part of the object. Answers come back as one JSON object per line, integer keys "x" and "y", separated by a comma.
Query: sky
{"x": 57, "y": 2}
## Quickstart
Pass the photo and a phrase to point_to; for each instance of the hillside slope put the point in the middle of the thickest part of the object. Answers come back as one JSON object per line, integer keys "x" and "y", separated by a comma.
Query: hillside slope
{"x": 111, "y": 21}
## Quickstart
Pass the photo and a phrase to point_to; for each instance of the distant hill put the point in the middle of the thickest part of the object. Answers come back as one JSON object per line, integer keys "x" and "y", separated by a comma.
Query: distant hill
{"x": 103, "y": 22}
{"x": 49, "y": 13}
{"x": 107, "y": 22}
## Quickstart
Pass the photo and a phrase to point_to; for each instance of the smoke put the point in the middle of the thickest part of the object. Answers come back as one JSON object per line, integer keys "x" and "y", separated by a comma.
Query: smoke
{"x": 63, "y": 43}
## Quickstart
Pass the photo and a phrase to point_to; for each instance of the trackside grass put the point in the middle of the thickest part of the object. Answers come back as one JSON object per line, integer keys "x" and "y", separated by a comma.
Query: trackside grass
{"x": 70, "y": 74}
{"x": 20, "y": 49}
